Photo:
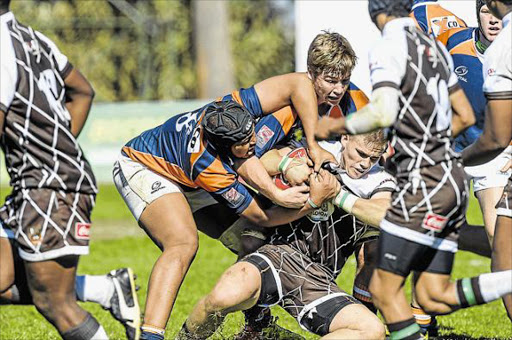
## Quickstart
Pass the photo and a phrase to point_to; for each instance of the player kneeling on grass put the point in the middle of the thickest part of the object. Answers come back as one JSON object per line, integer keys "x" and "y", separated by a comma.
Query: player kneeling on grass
{"x": 298, "y": 267}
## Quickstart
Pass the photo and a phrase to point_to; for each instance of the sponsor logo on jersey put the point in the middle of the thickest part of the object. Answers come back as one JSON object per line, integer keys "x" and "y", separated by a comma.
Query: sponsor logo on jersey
{"x": 491, "y": 72}
{"x": 434, "y": 222}
{"x": 264, "y": 136}
{"x": 461, "y": 71}
{"x": 82, "y": 231}
{"x": 233, "y": 196}
{"x": 322, "y": 214}
{"x": 443, "y": 24}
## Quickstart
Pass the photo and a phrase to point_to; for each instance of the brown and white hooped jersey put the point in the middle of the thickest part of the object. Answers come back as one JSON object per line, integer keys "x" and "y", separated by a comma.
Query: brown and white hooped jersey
{"x": 421, "y": 68}
{"x": 40, "y": 150}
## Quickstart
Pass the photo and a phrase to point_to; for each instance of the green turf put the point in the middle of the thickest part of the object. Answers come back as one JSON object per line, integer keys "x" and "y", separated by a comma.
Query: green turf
{"x": 22, "y": 322}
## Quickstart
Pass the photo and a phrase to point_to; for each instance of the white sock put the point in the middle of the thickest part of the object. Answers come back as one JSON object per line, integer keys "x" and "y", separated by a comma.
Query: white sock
{"x": 100, "y": 334}
{"x": 495, "y": 285}
{"x": 94, "y": 288}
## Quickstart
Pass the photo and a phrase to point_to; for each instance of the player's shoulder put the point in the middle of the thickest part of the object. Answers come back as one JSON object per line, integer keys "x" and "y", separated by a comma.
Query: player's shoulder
{"x": 377, "y": 179}
{"x": 357, "y": 96}
{"x": 456, "y": 36}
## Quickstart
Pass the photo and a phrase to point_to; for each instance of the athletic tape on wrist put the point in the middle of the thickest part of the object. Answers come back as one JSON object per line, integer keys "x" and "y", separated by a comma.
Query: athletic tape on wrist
{"x": 312, "y": 204}
{"x": 345, "y": 200}
{"x": 285, "y": 162}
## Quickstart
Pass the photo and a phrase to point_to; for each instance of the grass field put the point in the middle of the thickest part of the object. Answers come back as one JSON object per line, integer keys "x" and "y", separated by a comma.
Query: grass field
{"x": 117, "y": 242}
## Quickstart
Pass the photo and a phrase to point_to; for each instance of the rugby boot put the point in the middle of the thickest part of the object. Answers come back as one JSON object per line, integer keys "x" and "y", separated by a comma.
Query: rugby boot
{"x": 124, "y": 305}
{"x": 271, "y": 332}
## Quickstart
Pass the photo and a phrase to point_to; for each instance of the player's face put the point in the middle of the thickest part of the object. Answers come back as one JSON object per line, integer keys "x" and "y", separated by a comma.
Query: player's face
{"x": 490, "y": 25}
{"x": 358, "y": 157}
{"x": 245, "y": 148}
{"x": 330, "y": 88}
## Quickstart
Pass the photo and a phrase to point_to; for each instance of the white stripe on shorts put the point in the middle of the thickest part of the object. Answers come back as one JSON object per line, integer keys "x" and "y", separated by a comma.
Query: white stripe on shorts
{"x": 415, "y": 236}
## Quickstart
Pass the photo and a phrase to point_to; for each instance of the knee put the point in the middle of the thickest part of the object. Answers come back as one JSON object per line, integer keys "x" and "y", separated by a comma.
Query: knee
{"x": 186, "y": 248}
{"x": 6, "y": 280}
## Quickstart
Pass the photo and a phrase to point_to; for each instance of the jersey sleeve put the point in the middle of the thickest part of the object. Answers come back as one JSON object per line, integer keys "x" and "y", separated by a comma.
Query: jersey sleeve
{"x": 235, "y": 197}
{"x": 273, "y": 128}
{"x": 8, "y": 70}
{"x": 385, "y": 182}
{"x": 218, "y": 179}
{"x": 497, "y": 71}
{"x": 63, "y": 65}
{"x": 249, "y": 99}
{"x": 388, "y": 63}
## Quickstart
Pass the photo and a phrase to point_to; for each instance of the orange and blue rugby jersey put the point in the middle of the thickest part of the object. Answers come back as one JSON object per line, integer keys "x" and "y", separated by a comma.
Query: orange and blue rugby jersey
{"x": 353, "y": 100}
{"x": 434, "y": 19}
{"x": 178, "y": 151}
{"x": 467, "y": 61}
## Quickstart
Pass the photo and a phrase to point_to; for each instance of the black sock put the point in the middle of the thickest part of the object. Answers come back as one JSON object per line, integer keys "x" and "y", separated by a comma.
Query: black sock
{"x": 258, "y": 317}
{"x": 404, "y": 330}
{"x": 469, "y": 293}
{"x": 85, "y": 331}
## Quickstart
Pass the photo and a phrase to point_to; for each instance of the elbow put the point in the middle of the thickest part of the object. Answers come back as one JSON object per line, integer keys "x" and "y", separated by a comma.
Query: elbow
{"x": 469, "y": 121}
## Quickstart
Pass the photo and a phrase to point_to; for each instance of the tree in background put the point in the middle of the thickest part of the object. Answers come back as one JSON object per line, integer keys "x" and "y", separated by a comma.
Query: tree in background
{"x": 148, "y": 54}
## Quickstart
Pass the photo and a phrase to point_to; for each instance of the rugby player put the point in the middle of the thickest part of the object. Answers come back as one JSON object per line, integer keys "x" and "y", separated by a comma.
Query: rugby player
{"x": 433, "y": 19}
{"x": 44, "y": 103}
{"x": 172, "y": 170}
{"x": 413, "y": 86}
{"x": 298, "y": 267}
{"x": 497, "y": 134}
{"x": 467, "y": 47}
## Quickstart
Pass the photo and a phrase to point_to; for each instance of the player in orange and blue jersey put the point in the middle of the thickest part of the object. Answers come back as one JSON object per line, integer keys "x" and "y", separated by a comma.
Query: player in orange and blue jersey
{"x": 434, "y": 19}
{"x": 169, "y": 172}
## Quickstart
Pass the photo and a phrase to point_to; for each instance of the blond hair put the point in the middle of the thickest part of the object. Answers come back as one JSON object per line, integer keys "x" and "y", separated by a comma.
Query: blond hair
{"x": 331, "y": 53}
{"x": 376, "y": 139}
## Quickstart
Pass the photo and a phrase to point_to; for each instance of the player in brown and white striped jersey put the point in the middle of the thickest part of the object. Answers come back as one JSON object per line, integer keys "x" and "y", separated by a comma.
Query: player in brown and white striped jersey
{"x": 44, "y": 103}
{"x": 414, "y": 91}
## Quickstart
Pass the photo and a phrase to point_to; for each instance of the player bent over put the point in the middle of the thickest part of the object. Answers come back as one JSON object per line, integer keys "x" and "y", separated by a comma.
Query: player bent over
{"x": 413, "y": 88}
{"x": 298, "y": 267}
{"x": 497, "y": 72}
{"x": 163, "y": 175}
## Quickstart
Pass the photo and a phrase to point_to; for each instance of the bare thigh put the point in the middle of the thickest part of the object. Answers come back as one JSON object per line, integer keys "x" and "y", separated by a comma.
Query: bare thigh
{"x": 6, "y": 265}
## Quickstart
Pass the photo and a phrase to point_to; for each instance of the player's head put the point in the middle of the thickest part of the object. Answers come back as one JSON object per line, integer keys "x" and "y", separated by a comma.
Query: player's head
{"x": 229, "y": 127}
{"x": 499, "y": 8}
{"x": 4, "y": 5}
{"x": 362, "y": 152}
{"x": 381, "y": 10}
{"x": 331, "y": 60}
{"x": 489, "y": 25}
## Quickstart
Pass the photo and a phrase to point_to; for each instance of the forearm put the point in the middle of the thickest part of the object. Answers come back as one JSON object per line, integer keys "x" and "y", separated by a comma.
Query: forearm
{"x": 482, "y": 151}
{"x": 303, "y": 98}
{"x": 370, "y": 211}
{"x": 381, "y": 112}
{"x": 78, "y": 106}
{"x": 463, "y": 116}
{"x": 255, "y": 174}
{"x": 277, "y": 216}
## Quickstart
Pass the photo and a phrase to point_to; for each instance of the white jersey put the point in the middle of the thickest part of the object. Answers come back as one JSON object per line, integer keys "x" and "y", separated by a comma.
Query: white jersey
{"x": 376, "y": 180}
{"x": 497, "y": 69}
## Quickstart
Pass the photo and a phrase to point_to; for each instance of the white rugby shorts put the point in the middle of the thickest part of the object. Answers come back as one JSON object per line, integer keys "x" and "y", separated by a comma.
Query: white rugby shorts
{"x": 140, "y": 186}
{"x": 489, "y": 175}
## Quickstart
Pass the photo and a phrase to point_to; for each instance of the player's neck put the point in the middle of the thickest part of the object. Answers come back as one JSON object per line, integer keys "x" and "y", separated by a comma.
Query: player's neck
{"x": 482, "y": 43}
